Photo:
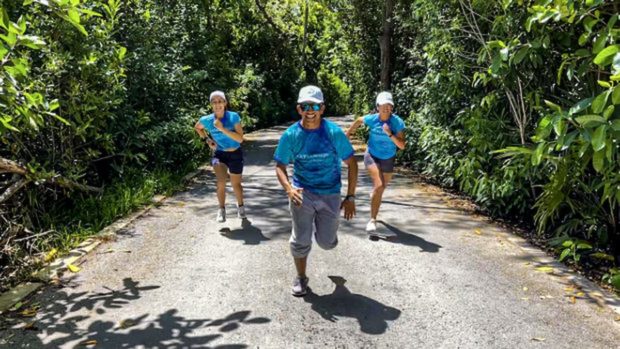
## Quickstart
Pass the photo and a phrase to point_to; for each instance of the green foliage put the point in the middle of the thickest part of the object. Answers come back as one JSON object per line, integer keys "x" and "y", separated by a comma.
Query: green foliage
{"x": 515, "y": 103}
{"x": 571, "y": 248}
{"x": 577, "y": 143}
{"x": 91, "y": 92}
{"x": 612, "y": 277}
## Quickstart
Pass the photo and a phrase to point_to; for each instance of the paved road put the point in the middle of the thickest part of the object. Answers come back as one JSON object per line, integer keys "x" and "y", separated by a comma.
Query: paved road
{"x": 451, "y": 280}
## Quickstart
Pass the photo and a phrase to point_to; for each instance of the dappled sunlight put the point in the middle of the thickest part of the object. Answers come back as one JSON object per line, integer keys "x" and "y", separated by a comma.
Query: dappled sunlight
{"x": 62, "y": 318}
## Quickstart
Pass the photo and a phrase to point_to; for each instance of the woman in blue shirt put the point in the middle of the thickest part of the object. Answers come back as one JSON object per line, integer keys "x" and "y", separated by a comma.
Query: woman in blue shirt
{"x": 226, "y": 132}
{"x": 386, "y": 137}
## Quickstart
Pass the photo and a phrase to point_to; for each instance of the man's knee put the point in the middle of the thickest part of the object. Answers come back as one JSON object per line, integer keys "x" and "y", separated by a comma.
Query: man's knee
{"x": 328, "y": 245}
{"x": 300, "y": 250}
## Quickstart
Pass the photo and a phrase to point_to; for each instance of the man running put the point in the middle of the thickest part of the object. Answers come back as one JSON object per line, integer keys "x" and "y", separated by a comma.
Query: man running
{"x": 316, "y": 147}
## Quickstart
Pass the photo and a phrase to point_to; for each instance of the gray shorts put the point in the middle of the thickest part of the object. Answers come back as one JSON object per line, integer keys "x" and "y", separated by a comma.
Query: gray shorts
{"x": 386, "y": 166}
{"x": 318, "y": 214}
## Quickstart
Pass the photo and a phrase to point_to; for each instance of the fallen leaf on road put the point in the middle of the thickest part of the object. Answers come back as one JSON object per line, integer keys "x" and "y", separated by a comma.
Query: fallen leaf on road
{"x": 569, "y": 289}
{"x": 538, "y": 339}
{"x": 126, "y": 323}
{"x": 30, "y": 312}
{"x": 580, "y": 294}
{"x": 30, "y": 326}
{"x": 617, "y": 318}
{"x": 110, "y": 250}
{"x": 73, "y": 268}
{"x": 573, "y": 299}
{"x": 16, "y": 306}
{"x": 89, "y": 342}
{"x": 478, "y": 232}
{"x": 524, "y": 288}
{"x": 50, "y": 255}
{"x": 545, "y": 269}
{"x": 546, "y": 297}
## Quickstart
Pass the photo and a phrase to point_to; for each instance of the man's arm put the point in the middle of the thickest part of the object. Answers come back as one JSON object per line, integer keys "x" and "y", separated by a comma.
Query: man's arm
{"x": 294, "y": 194}
{"x": 349, "y": 205}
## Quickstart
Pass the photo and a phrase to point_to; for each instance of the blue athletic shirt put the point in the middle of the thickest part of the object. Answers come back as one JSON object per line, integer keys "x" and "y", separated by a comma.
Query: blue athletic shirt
{"x": 316, "y": 156}
{"x": 229, "y": 120}
{"x": 379, "y": 144}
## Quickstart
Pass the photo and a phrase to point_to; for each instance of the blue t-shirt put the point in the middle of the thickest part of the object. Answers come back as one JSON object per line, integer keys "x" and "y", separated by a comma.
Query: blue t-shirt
{"x": 229, "y": 120}
{"x": 379, "y": 144}
{"x": 316, "y": 156}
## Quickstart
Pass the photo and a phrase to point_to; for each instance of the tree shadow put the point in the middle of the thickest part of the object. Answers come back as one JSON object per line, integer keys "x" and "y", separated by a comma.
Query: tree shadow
{"x": 62, "y": 319}
{"x": 372, "y": 316}
{"x": 250, "y": 234}
{"x": 410, "y": 239}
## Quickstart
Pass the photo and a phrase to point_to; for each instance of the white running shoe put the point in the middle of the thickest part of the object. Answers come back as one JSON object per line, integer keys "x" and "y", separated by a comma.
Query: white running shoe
{"x": 221, "y": 215}
{"x": 371, "y": 226}
{"x": 241, "y": 212}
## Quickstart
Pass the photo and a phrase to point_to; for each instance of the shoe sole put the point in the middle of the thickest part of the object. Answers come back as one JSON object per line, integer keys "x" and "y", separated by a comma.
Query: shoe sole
{"x": 301, "y": 294}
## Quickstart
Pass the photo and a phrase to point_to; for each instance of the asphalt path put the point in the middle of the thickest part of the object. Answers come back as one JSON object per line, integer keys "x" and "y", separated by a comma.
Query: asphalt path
{"x": 449, "y": 279}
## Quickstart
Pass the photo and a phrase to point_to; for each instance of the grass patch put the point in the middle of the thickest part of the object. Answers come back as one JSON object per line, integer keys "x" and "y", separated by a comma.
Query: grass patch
{"x": 73, "y": 219}
{"x": 87, "y": 215}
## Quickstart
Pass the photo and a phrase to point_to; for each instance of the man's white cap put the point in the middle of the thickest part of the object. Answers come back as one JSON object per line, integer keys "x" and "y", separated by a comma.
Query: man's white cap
{"x": 216, "y": 94}
{"x": 385, "y": 98}
{"x": 310, "y": 93}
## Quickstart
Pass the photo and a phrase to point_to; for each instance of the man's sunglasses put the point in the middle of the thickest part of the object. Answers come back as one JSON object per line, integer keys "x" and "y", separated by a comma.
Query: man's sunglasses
{"x": 307, "y": 107}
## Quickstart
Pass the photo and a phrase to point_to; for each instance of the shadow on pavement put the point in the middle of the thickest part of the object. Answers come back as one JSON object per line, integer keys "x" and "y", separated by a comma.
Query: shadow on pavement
{"x": 410, "y": 239}
{"x": 250, "y": 234}
{"x": 57, "y": 323}
{"x": 372, "y": 316}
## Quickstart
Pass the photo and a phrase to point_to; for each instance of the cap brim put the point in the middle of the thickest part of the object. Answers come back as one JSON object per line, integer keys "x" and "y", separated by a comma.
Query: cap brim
{"x": 309, "y": 99}
{"x": 385, "y": 102}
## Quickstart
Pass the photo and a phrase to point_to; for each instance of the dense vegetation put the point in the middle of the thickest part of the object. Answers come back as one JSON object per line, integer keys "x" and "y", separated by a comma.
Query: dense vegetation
{"x": 511, "y": 102}
{"x": 514, "y": 103}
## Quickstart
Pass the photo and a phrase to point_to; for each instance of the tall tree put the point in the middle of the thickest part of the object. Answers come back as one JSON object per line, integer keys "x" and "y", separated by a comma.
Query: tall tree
{"x": 385, "y": 42}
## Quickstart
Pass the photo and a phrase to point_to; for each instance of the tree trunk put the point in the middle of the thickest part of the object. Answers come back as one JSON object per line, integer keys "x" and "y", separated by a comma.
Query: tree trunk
{"x": 385, "y": 42}
{"x": 303, "y": 46}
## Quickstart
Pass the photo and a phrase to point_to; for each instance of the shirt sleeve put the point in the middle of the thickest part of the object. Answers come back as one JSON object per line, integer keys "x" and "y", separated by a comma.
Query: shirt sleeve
{"x": 283, "y": 154}
{"x": 399, "y": 125}
{"x": 205, "y": 123}
{"x": 236, "y": 119}
{"x": 342, "y": 144}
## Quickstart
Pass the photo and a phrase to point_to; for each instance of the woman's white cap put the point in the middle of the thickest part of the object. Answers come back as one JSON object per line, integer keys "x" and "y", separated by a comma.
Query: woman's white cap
{"x": 385, "y": 98}
{"x": 217, "y": 94}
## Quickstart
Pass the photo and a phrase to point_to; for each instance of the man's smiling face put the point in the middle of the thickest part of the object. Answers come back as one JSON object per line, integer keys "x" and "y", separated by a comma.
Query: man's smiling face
{"x": 310, "y": 111}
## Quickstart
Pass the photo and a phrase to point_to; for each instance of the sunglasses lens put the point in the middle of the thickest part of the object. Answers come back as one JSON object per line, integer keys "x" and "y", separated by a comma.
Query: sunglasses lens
{"x": 307, "y": 107}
